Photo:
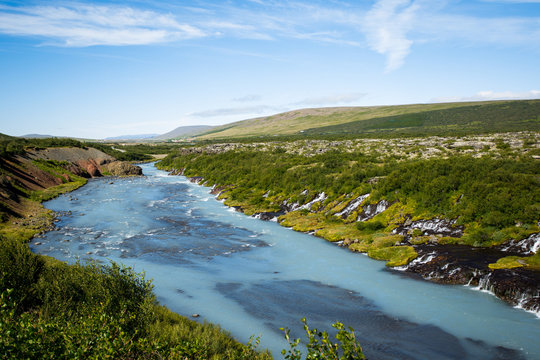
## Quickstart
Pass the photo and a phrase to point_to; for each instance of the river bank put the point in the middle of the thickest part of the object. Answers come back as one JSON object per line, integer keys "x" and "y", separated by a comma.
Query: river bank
{"x": 253, "y": 277}
{"x": 49, "y": 309}
{"x": 444, "y": 264}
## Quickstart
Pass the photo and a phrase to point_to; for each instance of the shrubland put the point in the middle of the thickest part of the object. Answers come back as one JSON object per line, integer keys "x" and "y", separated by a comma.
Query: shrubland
{"x": 51, "y": 310}
{"x": 488, "y": 186}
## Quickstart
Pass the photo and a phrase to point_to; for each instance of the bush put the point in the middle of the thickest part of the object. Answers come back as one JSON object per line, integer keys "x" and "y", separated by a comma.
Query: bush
{"x": 319, "y": 346}
{"x": 370, "y": 226}
{"x": 20, "y": 270}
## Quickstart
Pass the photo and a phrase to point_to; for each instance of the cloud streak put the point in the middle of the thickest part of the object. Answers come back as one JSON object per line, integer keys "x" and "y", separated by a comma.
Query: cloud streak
{"x": 330, "y": 100}
{"x": 335, "y": 100}
{"x": 88, "y": 25}
{"x": 389, "y": 27}
{"x": 386, "y": 26}
{"x": 246, "y": 110}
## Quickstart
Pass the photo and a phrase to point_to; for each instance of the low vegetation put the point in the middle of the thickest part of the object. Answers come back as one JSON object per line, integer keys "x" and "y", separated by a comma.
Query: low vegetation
{"x": 389, "y": 121}
{"x": 489, "y": 190}
{"x": 51, "y": 310}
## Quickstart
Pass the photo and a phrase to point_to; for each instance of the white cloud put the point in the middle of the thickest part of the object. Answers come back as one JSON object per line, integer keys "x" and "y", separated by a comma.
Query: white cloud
{"x": 492, "y": 95}
{"x": 386, "y": 26}
{"x": 87, "y": 25}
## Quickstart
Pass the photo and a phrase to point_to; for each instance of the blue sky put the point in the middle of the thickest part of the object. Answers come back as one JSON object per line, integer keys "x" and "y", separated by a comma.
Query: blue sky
{"x": 107, "y": 68}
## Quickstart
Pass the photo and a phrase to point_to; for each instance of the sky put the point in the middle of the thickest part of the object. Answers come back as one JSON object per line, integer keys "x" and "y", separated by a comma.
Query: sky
{"x": 96, "y": 69}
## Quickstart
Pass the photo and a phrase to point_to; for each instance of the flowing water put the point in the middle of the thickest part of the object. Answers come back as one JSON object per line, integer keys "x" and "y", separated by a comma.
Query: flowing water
{"x": 253, "y": 277}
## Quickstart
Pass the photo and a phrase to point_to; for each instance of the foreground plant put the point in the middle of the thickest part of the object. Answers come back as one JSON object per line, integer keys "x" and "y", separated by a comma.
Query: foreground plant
{"x": 320, "y": 346}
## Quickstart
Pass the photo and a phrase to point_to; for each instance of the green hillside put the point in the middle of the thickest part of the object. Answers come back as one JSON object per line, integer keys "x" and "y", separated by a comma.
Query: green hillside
{"x": 416, "y": 119}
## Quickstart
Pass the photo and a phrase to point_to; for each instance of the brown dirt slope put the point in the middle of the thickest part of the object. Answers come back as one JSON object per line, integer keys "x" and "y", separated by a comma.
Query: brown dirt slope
{"x": 20, "y": 176}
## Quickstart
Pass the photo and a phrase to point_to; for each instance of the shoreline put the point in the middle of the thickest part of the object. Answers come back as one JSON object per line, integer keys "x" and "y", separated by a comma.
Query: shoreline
{"x": 528, "y": 300}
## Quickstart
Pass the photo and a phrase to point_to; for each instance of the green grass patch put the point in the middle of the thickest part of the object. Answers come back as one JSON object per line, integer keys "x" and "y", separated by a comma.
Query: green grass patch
{"x": 338, "y": 232}
{"x": 303, "y": 221}
{"x": 394, "y": 255}
{"x": 54, "y": 191}
{"x": 510, "y": 262}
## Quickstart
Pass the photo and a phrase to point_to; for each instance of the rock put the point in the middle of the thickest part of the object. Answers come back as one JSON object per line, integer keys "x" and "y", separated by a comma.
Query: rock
{"x": 196, "y": 179}
{"x": 37, "y": 243}
{"x": 267, "y": 216}
{"x": 122, "y": 168}
{"x": 465, "y": 265}
{"x": 430, "y": 227}
{"x": 195, "y": 315}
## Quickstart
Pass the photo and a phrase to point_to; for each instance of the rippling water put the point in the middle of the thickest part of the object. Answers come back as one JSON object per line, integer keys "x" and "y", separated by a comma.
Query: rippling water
{"x": 253, "y": 277}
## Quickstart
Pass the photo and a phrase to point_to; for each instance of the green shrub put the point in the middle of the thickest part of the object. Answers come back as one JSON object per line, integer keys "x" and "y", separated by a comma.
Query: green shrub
{"x": 20, "y": 270}
{"x": 370, "y": 226}
{"x": 319, "y": 345}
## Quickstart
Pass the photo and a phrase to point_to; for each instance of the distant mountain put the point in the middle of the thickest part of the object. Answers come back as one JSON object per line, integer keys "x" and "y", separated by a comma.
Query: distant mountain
{"x": 38, "y": 136}
{"x": 133, "y": 137}
{"x": 184, "y": 131}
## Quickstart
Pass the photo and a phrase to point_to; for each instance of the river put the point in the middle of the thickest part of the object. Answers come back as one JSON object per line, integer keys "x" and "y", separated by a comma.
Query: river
{"x": 253, "y": 277}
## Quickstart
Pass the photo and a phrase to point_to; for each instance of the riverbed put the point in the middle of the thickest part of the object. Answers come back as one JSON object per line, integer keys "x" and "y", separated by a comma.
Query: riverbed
{"x": 253, "y": 277}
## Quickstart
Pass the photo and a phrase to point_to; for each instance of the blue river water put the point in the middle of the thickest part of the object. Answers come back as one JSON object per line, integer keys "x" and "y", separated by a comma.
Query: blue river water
{"x": 253, "y": 277}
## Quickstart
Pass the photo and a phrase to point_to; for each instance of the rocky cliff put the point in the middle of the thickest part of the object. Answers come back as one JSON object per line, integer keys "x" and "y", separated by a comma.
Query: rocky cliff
{"x": 24, "y": 177}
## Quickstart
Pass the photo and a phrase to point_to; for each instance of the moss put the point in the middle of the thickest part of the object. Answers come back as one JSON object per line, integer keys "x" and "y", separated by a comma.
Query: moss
{"x": 361, "y": 246}
{"x": 418, "y": 240}
{"x": 510, "y": 262}
{"x": 338, "y": 232}
{"x": 395, "y": 215}
{"x": 301, "y": 221}
{"x": 383, "y": 240}
{"x": 395, "y": 255}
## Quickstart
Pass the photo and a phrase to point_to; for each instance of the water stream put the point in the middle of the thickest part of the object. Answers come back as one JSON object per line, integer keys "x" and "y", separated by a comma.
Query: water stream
{"x": 253, "y": 277}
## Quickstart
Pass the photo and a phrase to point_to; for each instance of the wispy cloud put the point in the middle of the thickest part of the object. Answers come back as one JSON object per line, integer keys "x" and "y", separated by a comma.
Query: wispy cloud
{"x": 389, "y": 27}
{"x": 330, "y": 100}
{"x": 247, "y": 110}
{"x": 86, "y": 25}
{"x": 254, "y": 110}
{"x": 248, "y": 98}
{"x": 515, "y": 1}
{"x": 386, "y": 26}
{"x": 492, "y": 95}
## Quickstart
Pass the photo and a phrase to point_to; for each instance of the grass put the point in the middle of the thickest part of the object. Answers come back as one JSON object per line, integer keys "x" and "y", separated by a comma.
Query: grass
{"x": 338, "y": 232}
{"x": 302, "y": 221}
{"x": 419, "y": 119}
{"x": 510, "y": 262}
{"x": 394, "y": 255}
{"x": 35, "y": 219}
{"x": 54, "y": 191}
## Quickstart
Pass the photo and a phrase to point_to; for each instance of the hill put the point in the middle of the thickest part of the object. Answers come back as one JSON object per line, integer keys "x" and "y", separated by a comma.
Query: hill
{"x": 132, "y": 137}
{"x": 413, "y": 120}
{"x": 183, "y": 131}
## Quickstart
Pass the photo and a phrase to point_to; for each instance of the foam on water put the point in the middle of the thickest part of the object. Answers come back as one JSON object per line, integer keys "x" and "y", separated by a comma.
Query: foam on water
{"x": 252, "y": 276}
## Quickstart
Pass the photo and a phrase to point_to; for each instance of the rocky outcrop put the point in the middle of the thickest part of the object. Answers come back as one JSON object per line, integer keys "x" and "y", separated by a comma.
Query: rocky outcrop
{"x": 23, "y": 174}
{"x": 439, "y": 227}
{"x": 352, "y": 206}
{"x": 528, "y": 246}
{"x": 86, "y": 162}
{"x": 369, "y": 211}
{"x": 122, "y": 168}
{"x": 465, "y": 265}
